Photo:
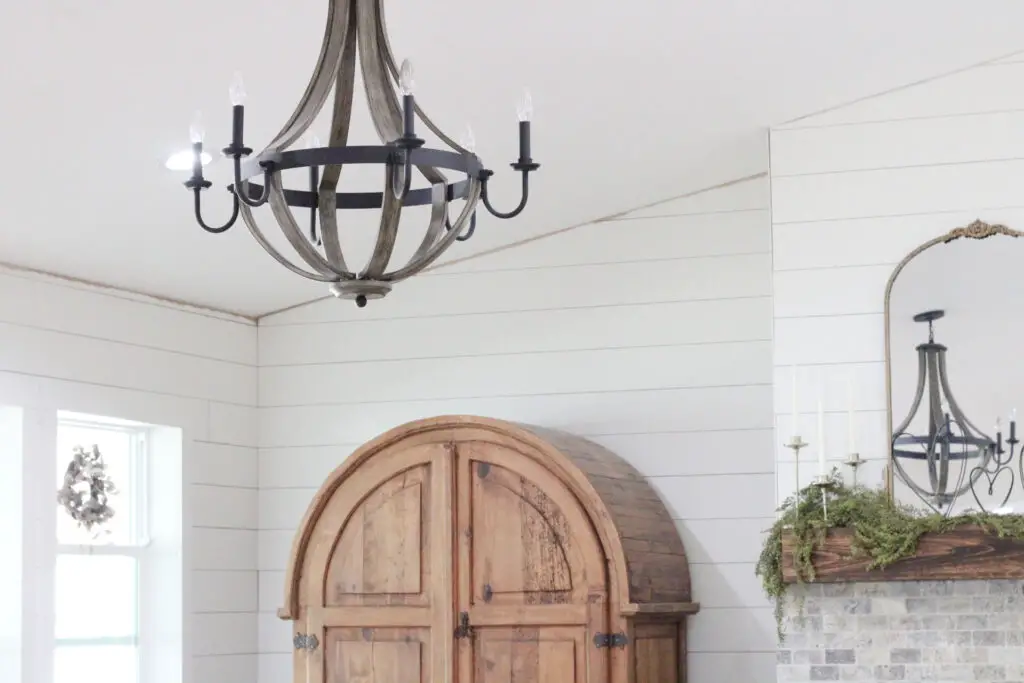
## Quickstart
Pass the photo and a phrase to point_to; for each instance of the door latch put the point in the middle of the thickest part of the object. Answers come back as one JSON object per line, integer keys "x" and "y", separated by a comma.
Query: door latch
{"x": 617, "y": 640}
{"x": 463, "y": 630}
{"x": 303, "y": 641}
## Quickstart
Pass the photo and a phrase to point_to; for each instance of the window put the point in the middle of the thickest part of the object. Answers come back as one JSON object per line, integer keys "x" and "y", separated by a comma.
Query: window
{"x": 97, "y": 577}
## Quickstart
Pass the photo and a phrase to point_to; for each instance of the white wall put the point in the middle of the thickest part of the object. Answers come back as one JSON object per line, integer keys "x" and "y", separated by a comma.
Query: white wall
{"x": 853, "y": 191}
{"x": 67, "y": 347}
{"x": 650, "y": 334}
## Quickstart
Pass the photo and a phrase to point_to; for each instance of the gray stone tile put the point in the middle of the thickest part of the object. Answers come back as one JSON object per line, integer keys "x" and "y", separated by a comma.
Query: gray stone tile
{"x": 989, "y": 672}
{"x": 905, "y": 655}
{"x": 824, "y": 673}
{"x": 971, "y": 622}
{"x": 988, "y": 638}
{"x": 890, "y": 672}
{"x": 970, "y": 587}
{"x": 808, "y": 656}
{"x": 922, "y": 605}
{"x": 840, "y": 657}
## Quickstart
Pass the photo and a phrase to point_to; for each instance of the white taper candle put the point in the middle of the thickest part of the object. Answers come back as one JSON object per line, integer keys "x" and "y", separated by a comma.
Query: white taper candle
{"x": 849, "y": 414}
{"x": 794, "y": 414}
{"x": 821, "y": 438}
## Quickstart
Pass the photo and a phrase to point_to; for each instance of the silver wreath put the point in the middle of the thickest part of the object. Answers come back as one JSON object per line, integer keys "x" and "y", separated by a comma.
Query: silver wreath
{"x": 87, "y": 488}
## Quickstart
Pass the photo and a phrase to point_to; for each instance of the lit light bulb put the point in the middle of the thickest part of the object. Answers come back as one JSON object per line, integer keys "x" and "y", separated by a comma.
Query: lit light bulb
{"x": 468, "y": 140}
{"x": 313, "y": 142}
{"x": 236, "y": 91}
{"x": 525, "y": 108}
{"x": 406, "y": 82}
{"x": 197, "y": 131}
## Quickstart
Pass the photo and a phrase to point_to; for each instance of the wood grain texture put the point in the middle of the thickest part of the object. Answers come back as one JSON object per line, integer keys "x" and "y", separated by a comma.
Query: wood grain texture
{"x": 556, "y": 543}
{"x": 655, "y": 558}
{"x": 966, "y": 553}
{"x": 647, "y": 559}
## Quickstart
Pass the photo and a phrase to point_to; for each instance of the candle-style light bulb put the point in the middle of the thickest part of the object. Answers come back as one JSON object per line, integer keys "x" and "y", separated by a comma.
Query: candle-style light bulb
{"x": 313, "y": 141}
{"x": 525, "y": 108}
{"x": 196, "y": 131}
{"x": 468, "y": 140}
{"x": 236, "y": 91}
{"x": 406, "y": 82}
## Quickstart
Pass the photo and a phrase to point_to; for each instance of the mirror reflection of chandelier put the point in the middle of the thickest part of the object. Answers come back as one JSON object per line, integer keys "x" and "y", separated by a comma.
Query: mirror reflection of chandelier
{"x": 356, "y": 32}
{"x": 951, "y": 440}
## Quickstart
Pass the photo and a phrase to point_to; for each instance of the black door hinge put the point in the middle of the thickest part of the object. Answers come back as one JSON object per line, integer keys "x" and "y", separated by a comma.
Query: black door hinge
{"x": 619, "y": 639}
{"x": 463, "y": 630}
{"x": 301, "y": 641}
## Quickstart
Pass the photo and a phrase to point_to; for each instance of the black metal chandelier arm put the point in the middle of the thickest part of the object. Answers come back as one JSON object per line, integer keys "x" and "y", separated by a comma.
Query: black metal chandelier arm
{"x": 400, "y": 177}
{"x": 197, "y": 191}
{"x": 416, "y": 265}
{"x": 485, "y": 176}
{"x": 469, "y": 233}
{"x": 257, "y": 234}
{"x": 241, "y": 190}
{"x": 295, "y": 236}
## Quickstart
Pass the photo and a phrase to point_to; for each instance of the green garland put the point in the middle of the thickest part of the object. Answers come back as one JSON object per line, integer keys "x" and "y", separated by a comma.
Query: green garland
{"x": 883, "y": 531}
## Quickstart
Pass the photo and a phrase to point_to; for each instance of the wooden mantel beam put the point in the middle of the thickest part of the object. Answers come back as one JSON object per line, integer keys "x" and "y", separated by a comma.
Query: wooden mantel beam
{"x": 965, "y": 553}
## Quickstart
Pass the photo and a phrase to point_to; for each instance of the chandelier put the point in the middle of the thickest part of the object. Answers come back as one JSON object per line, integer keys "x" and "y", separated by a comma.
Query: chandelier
{"x": 951, "y": 438}
{"x": 357, "y": 26}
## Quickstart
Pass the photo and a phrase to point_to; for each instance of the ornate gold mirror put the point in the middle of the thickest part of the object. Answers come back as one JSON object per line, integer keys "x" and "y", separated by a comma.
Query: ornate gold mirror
{"x": 951, "y": 334}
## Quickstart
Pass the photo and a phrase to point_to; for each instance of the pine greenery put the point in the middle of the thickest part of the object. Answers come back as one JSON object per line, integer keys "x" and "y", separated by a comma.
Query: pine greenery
{"x": 883, "y": 531}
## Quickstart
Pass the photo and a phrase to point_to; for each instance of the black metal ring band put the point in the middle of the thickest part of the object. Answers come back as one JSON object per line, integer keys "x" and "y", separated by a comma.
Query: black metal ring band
{"x": 363, "y": 200}
{"x": 381, "y": 154}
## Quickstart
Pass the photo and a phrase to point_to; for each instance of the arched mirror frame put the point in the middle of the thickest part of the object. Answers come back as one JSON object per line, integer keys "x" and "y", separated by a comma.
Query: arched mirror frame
{"x": 978, "y": 230}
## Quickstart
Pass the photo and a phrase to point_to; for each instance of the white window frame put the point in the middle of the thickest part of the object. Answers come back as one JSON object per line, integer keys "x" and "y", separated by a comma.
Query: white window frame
{"x": 139, "y": 532}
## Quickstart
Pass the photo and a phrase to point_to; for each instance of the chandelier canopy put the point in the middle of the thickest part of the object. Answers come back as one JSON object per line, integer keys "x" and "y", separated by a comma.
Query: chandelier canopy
{"x": 357, "y": 27}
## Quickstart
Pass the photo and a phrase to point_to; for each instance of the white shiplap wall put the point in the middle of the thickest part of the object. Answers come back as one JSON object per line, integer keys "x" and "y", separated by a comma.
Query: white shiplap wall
{"x": 650, "y": 334}
{"x": 853, "y": 191}
{"x": 68, "y": 347}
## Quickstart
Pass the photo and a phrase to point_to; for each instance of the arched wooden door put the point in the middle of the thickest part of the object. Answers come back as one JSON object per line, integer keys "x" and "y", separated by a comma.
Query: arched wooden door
{"x": 532, "y": 583}
{"x": 444, "y": 558}
{"x": 376, "y": 584}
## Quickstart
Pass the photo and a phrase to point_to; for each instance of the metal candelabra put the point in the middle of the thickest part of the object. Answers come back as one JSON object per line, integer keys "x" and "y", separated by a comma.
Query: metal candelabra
{"x": 796, "y": 444}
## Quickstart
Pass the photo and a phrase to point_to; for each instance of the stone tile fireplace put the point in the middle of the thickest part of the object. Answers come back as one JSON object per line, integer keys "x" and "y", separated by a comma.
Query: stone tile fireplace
{"x": 941, "y": 631}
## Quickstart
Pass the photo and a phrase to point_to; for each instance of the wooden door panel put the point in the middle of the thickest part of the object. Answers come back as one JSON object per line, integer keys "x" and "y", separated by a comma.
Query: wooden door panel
{"x": 378, "y": 586}
{"x": 532, "y": 578}
{"x": 528, "y": 655}
{"x": 376, "y": 655}
{"x": 519, "y": 540}
{"x": 383, "y": 553}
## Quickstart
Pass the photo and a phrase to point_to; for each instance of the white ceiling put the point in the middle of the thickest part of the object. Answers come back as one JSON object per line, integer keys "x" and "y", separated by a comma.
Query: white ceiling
{"x": 635, "y": 102}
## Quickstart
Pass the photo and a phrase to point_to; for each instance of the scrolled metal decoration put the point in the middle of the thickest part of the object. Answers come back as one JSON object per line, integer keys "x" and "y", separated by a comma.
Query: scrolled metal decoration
{"x": 357, "y": 27}
{"x": 991, "y": 471}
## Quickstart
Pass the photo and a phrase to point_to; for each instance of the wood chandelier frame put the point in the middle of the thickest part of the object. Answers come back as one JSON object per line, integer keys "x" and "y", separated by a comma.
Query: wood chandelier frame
{"x": 357, "y": 27}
